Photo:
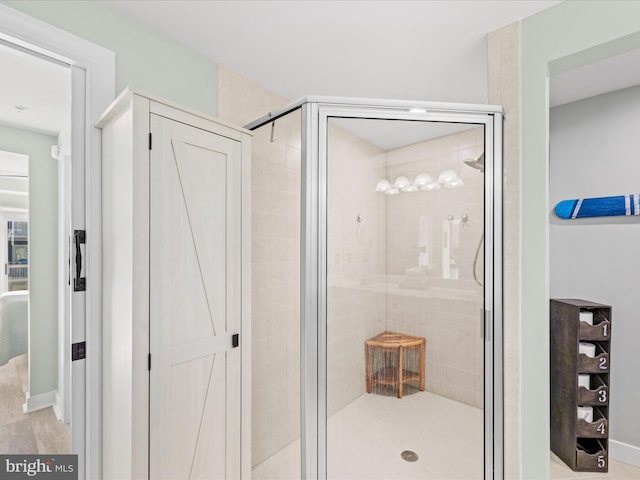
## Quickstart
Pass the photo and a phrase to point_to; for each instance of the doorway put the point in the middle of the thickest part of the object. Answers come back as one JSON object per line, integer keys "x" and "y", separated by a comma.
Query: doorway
{"x": 92, "y": 89}
{"x": 591, "y": 118}
{"x": 36, "y": 118}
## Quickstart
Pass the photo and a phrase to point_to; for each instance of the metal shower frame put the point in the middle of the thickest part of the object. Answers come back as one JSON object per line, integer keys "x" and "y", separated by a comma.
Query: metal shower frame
{"x": 316, "y": 112}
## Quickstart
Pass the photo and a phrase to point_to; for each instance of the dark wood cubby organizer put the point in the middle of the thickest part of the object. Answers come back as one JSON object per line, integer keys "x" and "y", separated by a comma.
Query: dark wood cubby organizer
{"x": 580, "y": 444}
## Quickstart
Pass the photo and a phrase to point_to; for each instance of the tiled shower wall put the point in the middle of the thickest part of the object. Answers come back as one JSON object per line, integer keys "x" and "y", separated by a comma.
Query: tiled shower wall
{"x": 446, "y": 311}
{"x": 504, "y": 85}
{"x": 373, "y": 275}
{"x": 356, "y": 252}
{"x": 276, "y": 286}
{"x": 275, "y": 248}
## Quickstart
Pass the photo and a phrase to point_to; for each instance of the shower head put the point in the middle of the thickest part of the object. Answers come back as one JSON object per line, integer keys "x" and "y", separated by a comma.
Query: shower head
{"x": 477, "y": 163}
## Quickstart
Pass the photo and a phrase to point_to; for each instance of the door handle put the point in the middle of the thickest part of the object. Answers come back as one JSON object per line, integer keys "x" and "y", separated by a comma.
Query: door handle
{"x": 79, "y": 282}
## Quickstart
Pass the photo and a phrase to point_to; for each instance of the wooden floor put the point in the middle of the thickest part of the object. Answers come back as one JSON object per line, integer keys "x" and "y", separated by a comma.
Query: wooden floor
{"x": 34, "y": 433}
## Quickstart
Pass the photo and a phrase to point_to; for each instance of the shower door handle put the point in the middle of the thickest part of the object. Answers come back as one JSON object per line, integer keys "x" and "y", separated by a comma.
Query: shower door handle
{"x": 486, "y": 324}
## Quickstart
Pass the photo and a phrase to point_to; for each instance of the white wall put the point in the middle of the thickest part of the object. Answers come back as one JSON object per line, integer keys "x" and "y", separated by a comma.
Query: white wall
{"x": 43, "y": 254}
{"x": 9, "y": 198}
{"x": 594, "y": 145}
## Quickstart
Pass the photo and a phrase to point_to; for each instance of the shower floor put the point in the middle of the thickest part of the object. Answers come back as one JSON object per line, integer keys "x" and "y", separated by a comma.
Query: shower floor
{"x": 366, "y": 438}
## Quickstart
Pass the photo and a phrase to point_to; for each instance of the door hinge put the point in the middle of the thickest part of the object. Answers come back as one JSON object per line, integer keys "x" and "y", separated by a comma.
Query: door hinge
{"x": 149, "y": 362}
{"x": 79, "y": 282}
{"x": 235, "y": 340}
{"x": 150, "y": 142}
{"x": 78, "y": 351}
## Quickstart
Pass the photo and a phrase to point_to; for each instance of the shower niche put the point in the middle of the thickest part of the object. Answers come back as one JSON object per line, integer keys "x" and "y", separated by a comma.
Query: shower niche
{"x": 390, "y": 214}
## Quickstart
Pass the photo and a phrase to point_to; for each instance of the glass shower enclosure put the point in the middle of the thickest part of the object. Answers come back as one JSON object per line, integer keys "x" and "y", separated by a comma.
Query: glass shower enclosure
{"x": 377, "y": 286}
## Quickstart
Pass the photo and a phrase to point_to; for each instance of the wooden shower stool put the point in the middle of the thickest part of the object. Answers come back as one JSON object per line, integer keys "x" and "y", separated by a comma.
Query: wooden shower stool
{"x": 394, "y": 344}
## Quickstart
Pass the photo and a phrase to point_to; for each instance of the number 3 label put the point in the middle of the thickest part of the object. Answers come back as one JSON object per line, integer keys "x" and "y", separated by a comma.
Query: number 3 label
{"x": 602, "y": 395}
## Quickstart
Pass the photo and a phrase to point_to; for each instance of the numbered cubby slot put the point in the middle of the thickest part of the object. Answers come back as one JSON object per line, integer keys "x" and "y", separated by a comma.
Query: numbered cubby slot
{"x": 591, "y": 455}
{"x": 596, "y": 314}
{"x": 601, "y": 315}
{"x": 598, "y": 391}
{"x": 600, "y": 330}
{"x": 598, "y": 428}
{"x": 597, "y": 364}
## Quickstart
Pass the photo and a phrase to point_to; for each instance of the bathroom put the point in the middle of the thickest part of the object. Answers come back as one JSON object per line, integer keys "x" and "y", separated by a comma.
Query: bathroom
{"x": 569, "y": 28}
{"x": 408, "y": 260}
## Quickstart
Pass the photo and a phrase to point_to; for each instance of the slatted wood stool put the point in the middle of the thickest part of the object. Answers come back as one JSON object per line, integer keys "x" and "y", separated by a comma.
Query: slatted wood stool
{"x": 394, "y": 345}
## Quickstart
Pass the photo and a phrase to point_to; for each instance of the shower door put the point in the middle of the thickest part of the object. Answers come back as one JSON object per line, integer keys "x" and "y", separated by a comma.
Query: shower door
{"x": 406, "y": 344}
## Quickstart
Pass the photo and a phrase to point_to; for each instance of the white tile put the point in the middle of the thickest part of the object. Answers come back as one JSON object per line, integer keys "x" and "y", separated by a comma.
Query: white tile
{"x": 366, "y": 438}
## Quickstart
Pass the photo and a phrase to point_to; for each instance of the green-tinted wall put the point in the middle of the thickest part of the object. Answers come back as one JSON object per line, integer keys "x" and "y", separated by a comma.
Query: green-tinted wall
{"x": 8, "y": 199}
{"x": 145, "y": 58}
{"x": 43, "y": 254}
{"x": 569, "y": 34}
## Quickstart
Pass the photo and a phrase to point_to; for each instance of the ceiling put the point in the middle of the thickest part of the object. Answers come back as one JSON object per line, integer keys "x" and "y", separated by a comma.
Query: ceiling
{"x": 35, "y": 94}
{"x": 606, "y": 75}
{"x": 414, "y": 50}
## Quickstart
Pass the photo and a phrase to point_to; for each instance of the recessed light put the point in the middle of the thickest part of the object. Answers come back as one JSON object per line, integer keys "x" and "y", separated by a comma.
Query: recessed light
{"x": 418, "y": 110}
{"x": 20, "y": 108}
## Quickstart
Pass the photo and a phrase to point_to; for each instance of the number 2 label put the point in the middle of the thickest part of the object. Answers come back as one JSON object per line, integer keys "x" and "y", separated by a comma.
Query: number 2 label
{"x": 603, "y": 364}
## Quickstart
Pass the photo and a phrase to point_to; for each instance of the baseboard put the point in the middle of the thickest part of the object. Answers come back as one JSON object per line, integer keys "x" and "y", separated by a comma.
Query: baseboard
{"x": 58, "y": 407}
{"x": 38, "y": 402}
{"x": 625, "y": 453}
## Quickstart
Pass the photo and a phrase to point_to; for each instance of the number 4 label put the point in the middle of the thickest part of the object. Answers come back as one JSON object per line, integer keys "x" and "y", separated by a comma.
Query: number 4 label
{"x": 602, "y": 429}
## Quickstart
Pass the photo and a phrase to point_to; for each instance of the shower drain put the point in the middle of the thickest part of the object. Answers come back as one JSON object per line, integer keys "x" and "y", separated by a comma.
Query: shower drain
{"x": 409, "y": 456}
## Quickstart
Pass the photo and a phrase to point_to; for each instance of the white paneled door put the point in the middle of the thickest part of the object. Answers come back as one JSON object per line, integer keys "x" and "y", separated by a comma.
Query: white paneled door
{"x": 195, "y": 303}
